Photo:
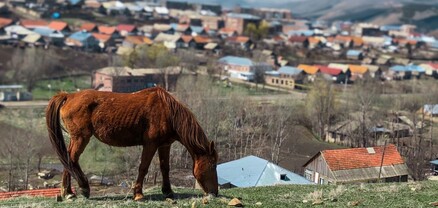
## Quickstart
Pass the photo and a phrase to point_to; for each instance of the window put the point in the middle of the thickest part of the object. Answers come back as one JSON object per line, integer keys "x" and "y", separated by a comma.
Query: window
{"x": 281, "y": 82}
{"x": 308, "y": 174}
{"x": 276, "y": 81}
{"x": 321, "y": 180}
{"x": 128, "y": 80}
{"x": 272, "y": 80}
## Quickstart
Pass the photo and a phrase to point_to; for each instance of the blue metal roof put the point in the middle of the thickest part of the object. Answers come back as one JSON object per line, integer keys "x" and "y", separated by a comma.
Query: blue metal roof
{"x": 80, "y": 36}
{"x": 390, "y": 27}
{"x": 197, "y": 29}
{"x": 435, "y": 162}
{"x": 43, "y": 31}
{"x": 254, "y": 171}
{"x": 234, "y": 60}
{"x": 300, "y": 32}
{"x": 432, "y": 109}
{"x": 398, "y": 68}
{"x": 353, "y": 52}
{"x": 289, "y": 70}
{"x": 415, "y": 68}
{"x": 243, "y": 16}
{"x": 434, "y": 44}
{"x": 74, "y": 2}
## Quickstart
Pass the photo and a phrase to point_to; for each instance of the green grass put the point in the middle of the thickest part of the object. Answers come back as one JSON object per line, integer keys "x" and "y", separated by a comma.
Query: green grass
{"x": 415, "y": 194}
{"x": 69, "y": 84}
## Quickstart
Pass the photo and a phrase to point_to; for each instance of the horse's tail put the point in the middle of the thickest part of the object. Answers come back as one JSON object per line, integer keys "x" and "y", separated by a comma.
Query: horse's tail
{"x": 55, "y": 129}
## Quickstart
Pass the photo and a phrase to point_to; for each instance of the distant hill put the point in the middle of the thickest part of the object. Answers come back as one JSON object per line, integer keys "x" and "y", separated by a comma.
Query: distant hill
{"x": 423, "y": 13}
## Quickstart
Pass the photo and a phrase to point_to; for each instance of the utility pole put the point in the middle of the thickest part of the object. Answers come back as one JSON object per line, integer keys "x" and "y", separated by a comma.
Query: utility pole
{"x": 381, "y": 162}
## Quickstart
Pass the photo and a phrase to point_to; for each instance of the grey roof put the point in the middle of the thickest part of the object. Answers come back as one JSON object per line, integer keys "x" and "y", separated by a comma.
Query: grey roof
{"x": 362, "y": 174}
{"x": 289, "y": 70}
{"x": 431, "y": 109}
{"x": 243, "y": 16}
{"x": 435, "y": 162}
{"x": 234, "y": 60}
{"x": 254, "y": 171}
{"x": 126, "y": 71}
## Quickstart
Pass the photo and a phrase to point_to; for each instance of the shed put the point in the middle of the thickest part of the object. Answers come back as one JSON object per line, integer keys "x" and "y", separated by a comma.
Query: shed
{"x": 366, "y": 164}
{"x": 253, "y": 171}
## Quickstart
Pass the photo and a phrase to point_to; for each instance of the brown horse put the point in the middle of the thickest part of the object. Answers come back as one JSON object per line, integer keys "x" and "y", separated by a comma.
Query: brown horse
{"x": 152, "y": 118}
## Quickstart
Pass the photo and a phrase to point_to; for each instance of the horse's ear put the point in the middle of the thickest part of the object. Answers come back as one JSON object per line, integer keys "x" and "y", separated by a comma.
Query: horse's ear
{"x": 211, "y": 148}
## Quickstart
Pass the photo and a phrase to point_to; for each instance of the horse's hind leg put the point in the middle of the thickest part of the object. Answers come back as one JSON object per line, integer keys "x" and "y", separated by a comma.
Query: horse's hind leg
{"x": 78, "y": 146}
{"x": 66, "y": 179}
{"x": 164, "y": 154}
{"x": 146, "y": 158}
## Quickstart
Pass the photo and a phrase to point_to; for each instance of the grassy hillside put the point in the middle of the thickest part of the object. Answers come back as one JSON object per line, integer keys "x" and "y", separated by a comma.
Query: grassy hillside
{"x": 415, "y": 194}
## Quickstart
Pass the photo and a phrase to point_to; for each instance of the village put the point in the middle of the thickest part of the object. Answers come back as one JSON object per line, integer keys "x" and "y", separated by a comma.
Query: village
{"x": 252, "y": 46}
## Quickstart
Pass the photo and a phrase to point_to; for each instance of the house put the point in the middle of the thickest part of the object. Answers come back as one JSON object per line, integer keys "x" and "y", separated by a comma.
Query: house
{"x": 354, "y": 55}
{"x": 300, "y": 41}
{"x": 105, "y": 40}
{"x": 356, "y": 165}
{"x": 4, "y": 22}
{"x": 198, "y": 30}
{"x": 374, "y": 71}
{"x": 14, "y": 93}
{"x": 133, "y": 41}
{"x": 239, "y": 21}
{"x": 161, "y": 12}
{"x": 237, "y": 67}
{"x": 162, "y": 28}
{"x": 227, "y": 32}
{"x": 82, "y": 40}
{"x": 252, "y": 171}
{"x": 332, "y": 74}
{"x": 241, "y": 42}
{"x": 434, "y": 164}
{"x": 431, "y": 69}
{"x": 314, "y": 42}
{"x": 32, "y": 24}
{"x": 169, "y": 41}
{"x": 201, "y": 41}
{"x": 33, "y": 39}
{"x": 311, "y": 71}
{"x": 114, "y": 7}
{"x": 108, "y": 30}
{"x": 182, "y": 29}
{"x": 213, "y": 48}
{"x": 125, "y": 79}
{"x": 286, "y": 76}
{"x": 357, "y": 71}
{"x": 126, "y": 29}
{"x": 60, "y": 26}
{"x": 17, "y": 31}
{"x": 430, "y": 110}
{"x": 89, "y": 27}
{"x": 51, "y": 36}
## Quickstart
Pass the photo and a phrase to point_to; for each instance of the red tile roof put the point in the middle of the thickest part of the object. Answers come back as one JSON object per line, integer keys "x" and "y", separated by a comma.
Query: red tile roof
{"x": 106, "y": 30}
{"x": 125, "y": 27}
{"x": 58, "y": 25}
{"x": 329, "y": 70}
{"x": 36, "y": 192}
{"x": 354, "y": 158}
{"x": 138, "y": 40}
{"x": 5, "y": 22}
{"x": 88, "y": 27}
{"x": 101, "y": 37}
{"x": 186, "y": 38}
{"x": 297, "y": 39}
{"x": 33, "y": 23}
{"x": 201, "y": 39}
{"x": 238, "y": 39}
{"x": 434, "y": 65}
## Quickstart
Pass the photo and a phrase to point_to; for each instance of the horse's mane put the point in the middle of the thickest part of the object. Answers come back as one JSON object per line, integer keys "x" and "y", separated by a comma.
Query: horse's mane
{"x": 191, "y": 134}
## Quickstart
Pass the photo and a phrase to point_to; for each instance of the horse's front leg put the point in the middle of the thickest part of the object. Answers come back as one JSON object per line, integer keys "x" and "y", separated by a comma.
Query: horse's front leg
{"x": 146, "y": 158}
{"x": 164, "y": 154}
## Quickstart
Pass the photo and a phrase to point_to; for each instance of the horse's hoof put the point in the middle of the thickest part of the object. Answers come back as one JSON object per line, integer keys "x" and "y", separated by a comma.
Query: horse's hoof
{"x": 85, "y": 193}
{"x": 70, "y": 196}
{"x": 138, "y": 197}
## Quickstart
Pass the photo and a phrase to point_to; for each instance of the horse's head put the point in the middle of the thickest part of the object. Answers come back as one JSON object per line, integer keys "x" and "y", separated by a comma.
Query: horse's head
{"x": 205, "y": 171}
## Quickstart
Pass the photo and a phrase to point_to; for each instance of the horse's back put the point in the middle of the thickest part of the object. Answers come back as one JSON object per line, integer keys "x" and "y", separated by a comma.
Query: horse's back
{"x": 119, "y": 119}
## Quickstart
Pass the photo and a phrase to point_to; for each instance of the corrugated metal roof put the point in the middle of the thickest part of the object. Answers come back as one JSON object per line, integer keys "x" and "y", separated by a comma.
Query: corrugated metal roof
{"x": 80, "y": 36}
{"x": 363, "y": 174}
{"x": 126, "y": 71}
{"x": 435, "y": 162}
{"x": 353, "y": 53}
{"x": 289, "y": 70}
{"x": 234, "y": 60}
{"x": 254, "y": 171}
{"x": 243, "y": 16}
{"x": 431, "y": 109}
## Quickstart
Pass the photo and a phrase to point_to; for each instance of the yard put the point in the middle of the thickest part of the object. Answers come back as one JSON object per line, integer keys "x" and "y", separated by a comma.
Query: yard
{"x": 412, "y": 194}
